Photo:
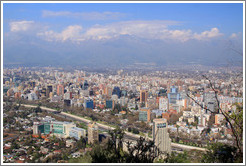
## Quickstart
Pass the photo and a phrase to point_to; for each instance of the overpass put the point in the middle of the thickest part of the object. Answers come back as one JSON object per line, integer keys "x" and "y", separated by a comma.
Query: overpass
{"x": 128, "y": 135}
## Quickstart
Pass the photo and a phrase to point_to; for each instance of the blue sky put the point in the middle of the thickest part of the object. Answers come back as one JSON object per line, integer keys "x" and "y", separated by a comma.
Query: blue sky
{"x": 198, "y": 17}
{"x": 78, "y": 23}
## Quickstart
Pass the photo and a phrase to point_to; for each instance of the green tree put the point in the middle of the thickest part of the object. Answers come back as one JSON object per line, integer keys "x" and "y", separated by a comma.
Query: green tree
{"x": 143, "y": 151}
{"x": 220, "y": 153}
{"x": 83, "y": 159}
{"x": 112, "y": 151}
{"x": 37, "y": 109}
{"x": 116, "y": 142}
{"x": 135, "y": 131}
{"x": 177, "y": 137}
{"x": 234, "y": 120}
{"x": 81, "y": 143}
{"x": 178, "y": 158}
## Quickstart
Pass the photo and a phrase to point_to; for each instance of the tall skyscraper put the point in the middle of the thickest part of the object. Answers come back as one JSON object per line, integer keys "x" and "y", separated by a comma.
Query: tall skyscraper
{"x": 161, "y": 135}
{"x": 143, "y": 96}
{"x": 116, "y": 91}
{"x": 163, "y": 104}
{"x": 92, "y": 133}
{"x": 60, "y": 90}
{"x": 173, "y": 96}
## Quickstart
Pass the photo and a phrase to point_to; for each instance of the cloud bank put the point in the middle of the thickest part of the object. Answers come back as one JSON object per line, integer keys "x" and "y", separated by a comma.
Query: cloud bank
{"x": 153, "y": 30}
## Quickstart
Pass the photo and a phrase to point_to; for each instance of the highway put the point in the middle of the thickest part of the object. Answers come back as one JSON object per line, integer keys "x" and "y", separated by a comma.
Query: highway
{"x": 128, "y": 135}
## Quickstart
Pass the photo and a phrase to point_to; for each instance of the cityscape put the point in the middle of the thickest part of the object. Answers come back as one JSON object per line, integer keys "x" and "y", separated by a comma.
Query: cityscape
{"x": 129, "y": 86}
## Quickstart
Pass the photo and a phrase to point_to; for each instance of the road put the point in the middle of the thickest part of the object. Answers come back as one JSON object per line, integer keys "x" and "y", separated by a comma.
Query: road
{"x": 128, "y": 135}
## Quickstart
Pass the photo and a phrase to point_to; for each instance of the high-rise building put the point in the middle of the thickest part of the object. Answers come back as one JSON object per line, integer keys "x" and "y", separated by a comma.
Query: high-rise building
{"x": 43, "y": 92}
{"x": 116, "y": 91}
{"x": 85, "y": 85}
{"x": 163, "y": 104}
{"x": 109, "y": 91}
{"x": 49, "y": 89}
{"x": 144, "y": 114}
{"x": 218, "y": 119}
{"x": 161, "y": 135}
{"x": 143, "y": 96}
{"x": 89, "y": 104}
{"x": 92, "y": 133}
{"x": 60, "y": 90}
{"x": 173, "y": 96}
{"x": 109, "y": 104}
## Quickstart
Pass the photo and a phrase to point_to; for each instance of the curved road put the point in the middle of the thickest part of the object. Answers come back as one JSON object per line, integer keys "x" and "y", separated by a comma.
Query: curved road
{"x": 106, "y": 127}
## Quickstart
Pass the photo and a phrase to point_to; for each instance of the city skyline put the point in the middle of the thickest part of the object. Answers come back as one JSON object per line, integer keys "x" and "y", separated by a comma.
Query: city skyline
{"x": 122, "y": 33}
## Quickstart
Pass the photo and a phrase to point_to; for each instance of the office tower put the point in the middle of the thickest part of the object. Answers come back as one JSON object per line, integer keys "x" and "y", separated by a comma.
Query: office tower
{"x": 89, "y": 103}
{"x": 173, "y": 96}
{"x": 60, "y": 90}
{"x": 143, "y": 96}
{"x": 109, "y": 104}
{"x": 116, "y": 91}
{"x": 85, "y": 85}
{"x": 92, "y": 132}
{"x": 163, "y": 104}
{"x": 161, "y": 135}
{"x": 144, "y": 114}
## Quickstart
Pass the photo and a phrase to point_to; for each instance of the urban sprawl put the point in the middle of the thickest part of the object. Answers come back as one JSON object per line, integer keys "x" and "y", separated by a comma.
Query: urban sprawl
{"x": 56, "y": 115}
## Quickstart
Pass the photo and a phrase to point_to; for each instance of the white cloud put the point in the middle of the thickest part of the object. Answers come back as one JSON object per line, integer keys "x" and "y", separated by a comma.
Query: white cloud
{"x": 17, "y": 26}
{"x": 84, "y": 15}
{"x": 140, "y": 29}
{"x": 149, "y": 30}
{"x": 143, "y": 29}
{"x": 72, "y": 33}
{"x": 214, "y": 32}
{"x": 236, "y": 35}
{"x": 233, "y": 35}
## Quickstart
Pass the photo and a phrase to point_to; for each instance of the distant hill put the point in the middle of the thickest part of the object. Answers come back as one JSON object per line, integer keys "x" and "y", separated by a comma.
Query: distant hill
{"x": 124, "y": 50}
